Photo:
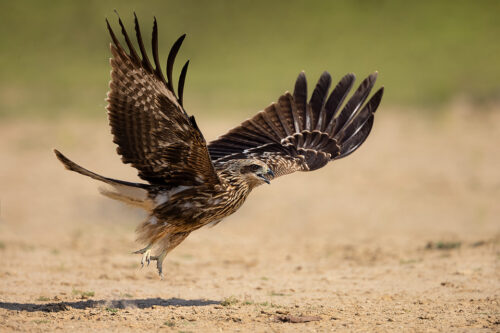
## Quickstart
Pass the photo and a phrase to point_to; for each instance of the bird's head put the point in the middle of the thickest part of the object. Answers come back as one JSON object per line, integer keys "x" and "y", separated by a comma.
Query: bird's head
{"x": 253, "y": 171}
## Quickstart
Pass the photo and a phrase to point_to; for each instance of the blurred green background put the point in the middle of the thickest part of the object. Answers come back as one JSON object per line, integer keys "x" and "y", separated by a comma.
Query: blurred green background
{"x": 244, "y": 54}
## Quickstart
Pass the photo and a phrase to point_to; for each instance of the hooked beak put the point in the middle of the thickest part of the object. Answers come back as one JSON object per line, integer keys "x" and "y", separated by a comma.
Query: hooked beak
{"x": 268, "y": 176}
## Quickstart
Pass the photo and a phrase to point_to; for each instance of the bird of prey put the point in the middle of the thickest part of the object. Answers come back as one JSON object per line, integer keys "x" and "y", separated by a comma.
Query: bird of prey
{"x": 189, "y": 183}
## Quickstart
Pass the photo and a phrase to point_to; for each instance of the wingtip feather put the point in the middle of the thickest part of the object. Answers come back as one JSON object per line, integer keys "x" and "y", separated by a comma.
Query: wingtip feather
{"x": 171, "y": 60}
{"x": 182, "y": 79}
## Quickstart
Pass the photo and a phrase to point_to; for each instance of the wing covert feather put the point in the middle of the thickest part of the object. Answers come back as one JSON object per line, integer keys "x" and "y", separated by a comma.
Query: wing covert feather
{"x": 293, "y": 135}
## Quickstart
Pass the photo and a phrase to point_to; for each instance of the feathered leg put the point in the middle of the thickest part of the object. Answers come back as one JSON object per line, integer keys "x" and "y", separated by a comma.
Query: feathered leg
{"x": 167, "y": 244}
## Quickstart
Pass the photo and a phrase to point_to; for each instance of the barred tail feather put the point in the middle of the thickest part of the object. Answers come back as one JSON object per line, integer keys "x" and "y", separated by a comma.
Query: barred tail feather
{"x": 135, "y": 194}
{"x": 130, "y": 195}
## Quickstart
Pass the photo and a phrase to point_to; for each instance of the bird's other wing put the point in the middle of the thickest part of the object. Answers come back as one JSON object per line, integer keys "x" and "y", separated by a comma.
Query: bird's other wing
{"x": 148, "y": 121}
{"x": 294, "y": 135}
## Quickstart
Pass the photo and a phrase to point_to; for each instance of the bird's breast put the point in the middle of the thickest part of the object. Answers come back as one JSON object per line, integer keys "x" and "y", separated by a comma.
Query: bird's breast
{"x": 198, "y": 206}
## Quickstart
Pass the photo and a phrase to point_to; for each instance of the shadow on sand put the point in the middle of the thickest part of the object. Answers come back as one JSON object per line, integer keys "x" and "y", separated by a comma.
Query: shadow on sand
{"x": 118, "y": 304}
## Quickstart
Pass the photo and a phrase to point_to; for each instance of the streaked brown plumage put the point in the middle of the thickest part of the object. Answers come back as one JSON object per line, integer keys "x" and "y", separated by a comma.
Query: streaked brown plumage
{"x": 191, "y": 184}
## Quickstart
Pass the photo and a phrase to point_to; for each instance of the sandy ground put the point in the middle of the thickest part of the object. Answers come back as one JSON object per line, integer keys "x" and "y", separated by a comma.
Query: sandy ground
{"x": 404, "y": 235}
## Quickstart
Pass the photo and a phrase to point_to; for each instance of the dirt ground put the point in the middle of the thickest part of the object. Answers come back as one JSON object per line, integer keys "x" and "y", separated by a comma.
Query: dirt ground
{"x": 404, "y": 235}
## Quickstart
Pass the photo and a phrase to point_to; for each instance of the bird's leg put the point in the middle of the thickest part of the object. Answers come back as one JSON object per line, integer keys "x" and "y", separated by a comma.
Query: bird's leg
{"x": 168, "y": 243}
{"x": 146, "y": 254}
{"x": 159, "y": 262}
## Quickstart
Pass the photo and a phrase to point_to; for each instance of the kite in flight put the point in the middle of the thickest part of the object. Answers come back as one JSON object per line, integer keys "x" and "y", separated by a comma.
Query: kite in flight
{"x": 191, "y": 184}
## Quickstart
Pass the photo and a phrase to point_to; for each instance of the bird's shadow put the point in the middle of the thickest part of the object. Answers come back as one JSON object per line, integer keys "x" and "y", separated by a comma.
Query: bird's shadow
{"x": 114, "y": 304}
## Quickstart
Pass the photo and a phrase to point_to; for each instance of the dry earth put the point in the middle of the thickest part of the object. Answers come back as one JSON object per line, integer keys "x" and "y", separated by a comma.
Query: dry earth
{"x": 401, "y": 236}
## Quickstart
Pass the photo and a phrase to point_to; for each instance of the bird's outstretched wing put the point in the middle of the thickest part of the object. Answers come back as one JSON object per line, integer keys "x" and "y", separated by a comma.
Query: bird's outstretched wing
{"x": 293, "y": 135}
{"x": 150, "y": 126}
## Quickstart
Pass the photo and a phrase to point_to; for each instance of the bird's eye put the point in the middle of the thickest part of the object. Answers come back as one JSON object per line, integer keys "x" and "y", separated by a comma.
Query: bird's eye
{"x": 254, "y": 167}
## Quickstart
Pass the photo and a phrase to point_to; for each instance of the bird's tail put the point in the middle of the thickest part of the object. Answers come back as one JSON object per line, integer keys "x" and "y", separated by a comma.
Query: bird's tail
{"x": 135, "y": 194}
